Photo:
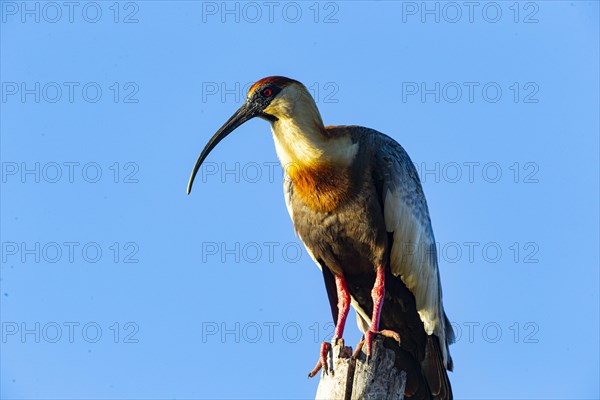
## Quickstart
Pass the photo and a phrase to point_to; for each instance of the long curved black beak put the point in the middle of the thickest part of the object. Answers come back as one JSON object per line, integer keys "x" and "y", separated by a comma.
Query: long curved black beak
{"x": 243, "y": 114}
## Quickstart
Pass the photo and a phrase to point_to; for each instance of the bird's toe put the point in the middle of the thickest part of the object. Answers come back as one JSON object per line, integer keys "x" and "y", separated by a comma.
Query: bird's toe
{"x": 370, "y": 334}
{"x": 324, "y": 356}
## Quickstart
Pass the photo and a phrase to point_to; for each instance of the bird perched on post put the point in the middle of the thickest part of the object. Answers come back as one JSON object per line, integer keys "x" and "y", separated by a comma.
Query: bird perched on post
{"x": 357, "y": 204}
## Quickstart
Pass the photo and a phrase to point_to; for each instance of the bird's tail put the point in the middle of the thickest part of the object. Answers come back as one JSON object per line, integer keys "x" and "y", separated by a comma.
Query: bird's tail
{"x": 435, "y": 371}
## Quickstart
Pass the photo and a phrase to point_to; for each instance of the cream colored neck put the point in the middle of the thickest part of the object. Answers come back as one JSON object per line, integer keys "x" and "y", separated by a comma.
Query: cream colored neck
{"x": 304, "y": 143}
{"x": 299, "y": 134}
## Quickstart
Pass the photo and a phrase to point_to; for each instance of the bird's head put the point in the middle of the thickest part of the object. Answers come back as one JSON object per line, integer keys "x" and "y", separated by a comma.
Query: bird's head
{"x": 273, "y": 98}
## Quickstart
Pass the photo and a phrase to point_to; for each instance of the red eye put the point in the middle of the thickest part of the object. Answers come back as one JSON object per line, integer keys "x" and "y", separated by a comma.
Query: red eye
{"x": 267, "y": 92}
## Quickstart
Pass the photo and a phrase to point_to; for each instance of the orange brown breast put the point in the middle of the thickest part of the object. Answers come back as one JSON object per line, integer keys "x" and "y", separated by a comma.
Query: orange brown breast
{"x": 322, "y": 187}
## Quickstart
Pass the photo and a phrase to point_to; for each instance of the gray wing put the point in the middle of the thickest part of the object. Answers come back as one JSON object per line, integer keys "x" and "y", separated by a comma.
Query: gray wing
{"x": 413, "y": 255}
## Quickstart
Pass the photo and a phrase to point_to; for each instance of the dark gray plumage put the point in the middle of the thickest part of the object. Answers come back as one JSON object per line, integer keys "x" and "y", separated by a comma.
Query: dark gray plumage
{"x": 357, "y": 204}
{"x": 354, "y": 238}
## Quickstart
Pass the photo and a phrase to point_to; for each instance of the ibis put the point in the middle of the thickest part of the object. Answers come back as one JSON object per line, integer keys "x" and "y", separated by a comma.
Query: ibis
{"x": 357, "y": 204}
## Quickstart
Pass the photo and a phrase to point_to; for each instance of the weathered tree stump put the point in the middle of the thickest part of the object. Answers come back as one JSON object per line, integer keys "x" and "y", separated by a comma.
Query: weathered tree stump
{"x": 358, "y": 379}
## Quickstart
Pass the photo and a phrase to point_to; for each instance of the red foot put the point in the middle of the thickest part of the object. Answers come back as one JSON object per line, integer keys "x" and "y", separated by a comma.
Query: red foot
{"x": 322, "y": 363}
{"x": 378, "y": 294}
{"x": 371, "y": 334}
{"x": 359, "y": 347}
{"x": 343, "y": 308}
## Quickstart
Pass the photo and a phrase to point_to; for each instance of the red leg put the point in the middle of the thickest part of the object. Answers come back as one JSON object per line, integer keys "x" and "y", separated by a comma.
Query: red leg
{"x": 343, "y": 309}
{"x": 378, "y": 293}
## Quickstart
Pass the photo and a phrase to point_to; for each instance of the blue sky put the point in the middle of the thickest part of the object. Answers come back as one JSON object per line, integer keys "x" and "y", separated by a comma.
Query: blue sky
{"x": 114, "y": 284}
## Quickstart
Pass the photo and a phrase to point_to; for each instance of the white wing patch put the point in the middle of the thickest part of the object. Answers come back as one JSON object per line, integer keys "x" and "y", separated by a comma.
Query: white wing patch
{"x": 413, "y": 259}
{"x": 362, "y": 319}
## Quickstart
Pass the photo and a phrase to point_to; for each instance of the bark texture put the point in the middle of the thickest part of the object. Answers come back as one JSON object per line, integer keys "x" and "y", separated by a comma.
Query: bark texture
{"x": 377, "y": 379}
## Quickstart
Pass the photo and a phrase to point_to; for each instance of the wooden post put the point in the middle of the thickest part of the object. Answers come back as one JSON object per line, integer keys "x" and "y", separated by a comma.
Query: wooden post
{"x": 357, "y": 379}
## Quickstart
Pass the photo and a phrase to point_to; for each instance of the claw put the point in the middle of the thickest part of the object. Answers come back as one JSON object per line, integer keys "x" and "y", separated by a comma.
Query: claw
{"x": 390, "y": 334}
{"x": 370, "y": 334}
{"x": 322, "y": 363}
